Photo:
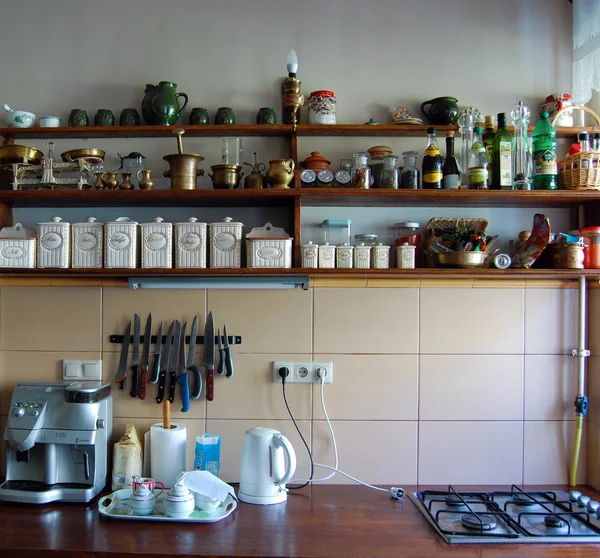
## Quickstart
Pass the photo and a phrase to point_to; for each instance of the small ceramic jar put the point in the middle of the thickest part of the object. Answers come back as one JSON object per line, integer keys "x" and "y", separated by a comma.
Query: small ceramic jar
{"x": 225, "y": 243}
{"x": 362, "y": 256}
{"x": 142, "y": 501}
{"x": 380, "y": 256}
{"x": 405, "y": 256}
{"x": 310, "y": 255}
{"x": 178, "y": 502}
{"x": 120, "y": 243}
{"x": 321, "y": 107}
{"x": 190, "y": 244}
{"x": 87, "y": 239}
{"x": 327, "y": 256}
{"x": 53, "y": 243}
{"x": 343, "y": 256}
{"x": 157, "y": 244}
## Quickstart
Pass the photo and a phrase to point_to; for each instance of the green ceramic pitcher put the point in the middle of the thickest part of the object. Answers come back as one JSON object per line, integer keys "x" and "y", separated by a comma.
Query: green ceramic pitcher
{"x": 160, "y": 105}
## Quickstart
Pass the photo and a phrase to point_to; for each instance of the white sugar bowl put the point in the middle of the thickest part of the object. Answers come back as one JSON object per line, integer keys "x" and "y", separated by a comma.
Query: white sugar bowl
{"x": 142, "y": 501}
{"x": 179, "y": 501}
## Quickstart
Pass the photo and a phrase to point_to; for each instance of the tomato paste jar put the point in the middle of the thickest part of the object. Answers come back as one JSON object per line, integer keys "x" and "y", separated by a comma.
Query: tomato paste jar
{"x": 591, "y": 250}
{"x": 408, "y": 231}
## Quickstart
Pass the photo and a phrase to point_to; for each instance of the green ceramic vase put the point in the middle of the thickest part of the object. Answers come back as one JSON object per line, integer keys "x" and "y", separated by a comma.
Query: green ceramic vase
{"x": 225, "y": 115}
{"x": 104, "y": 117}
{"x": 266, "y": 115}
{"x": 78, "y": 118}
{"x": 160, "y": 106}
{"x": 129, "y": 117}
{"x": 198, "y": 116}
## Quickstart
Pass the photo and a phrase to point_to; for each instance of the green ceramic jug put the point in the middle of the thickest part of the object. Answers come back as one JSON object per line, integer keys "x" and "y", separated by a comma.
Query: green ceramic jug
{"x": 160, "y": 105}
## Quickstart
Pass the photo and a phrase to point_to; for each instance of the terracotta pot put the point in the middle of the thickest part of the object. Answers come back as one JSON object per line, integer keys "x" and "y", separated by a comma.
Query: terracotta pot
{"x": 315, "y": 162}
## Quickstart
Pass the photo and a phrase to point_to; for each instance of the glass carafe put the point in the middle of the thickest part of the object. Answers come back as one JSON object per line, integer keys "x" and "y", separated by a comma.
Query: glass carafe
{"x": 523, "y": 164}
{"x": 388, "y": 176}
{"x": 409, "y": 175}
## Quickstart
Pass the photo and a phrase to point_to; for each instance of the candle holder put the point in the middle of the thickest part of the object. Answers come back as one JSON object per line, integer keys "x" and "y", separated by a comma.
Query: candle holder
{"x": 292, "y": 97}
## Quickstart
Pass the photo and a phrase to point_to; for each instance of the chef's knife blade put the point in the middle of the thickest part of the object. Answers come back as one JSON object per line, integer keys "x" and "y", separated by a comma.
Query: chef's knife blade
{"x": 173, "y": 362}
{"x": 145, "y": 358}
{"x": 182, "y": 375}
{"x": 197, "y": 389}
{"x": 228, "y": 358}
{"x": 208, "y": 355}
{"x": 221, "y": 365}
{"x": 156, "y": 356}
{"x": 135, "y": 360}
{"x": 122, "y": 369}
{"x": 164, "y": 364}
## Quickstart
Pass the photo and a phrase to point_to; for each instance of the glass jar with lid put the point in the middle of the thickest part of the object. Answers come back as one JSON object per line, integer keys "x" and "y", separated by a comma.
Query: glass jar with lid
{"x": 591, "y": 250}
{"x": 336, "y": 231}
{"x": 409, "y": 175}
{"x": 361, "y": 174}
{"x": 366, "y": 239}
{"x": 342, "y": 176}
{"x": 408, "y": 232}
{"x": 321, "y": 107}
{"x": 388, "y": 176}
{"x": 376, "y": 156}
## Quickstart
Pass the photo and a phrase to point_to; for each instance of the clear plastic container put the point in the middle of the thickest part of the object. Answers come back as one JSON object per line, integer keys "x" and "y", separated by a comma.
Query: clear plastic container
{"x": 337, "y": 231}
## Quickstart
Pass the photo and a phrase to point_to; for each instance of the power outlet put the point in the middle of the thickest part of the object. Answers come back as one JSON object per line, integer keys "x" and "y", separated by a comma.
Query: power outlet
{"x": 304, "y": 372}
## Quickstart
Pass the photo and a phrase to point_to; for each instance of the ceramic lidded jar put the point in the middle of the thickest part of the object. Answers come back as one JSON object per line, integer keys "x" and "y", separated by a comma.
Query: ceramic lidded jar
{"x": 120, "y": 243}
{"x": 190, "y": 244}
{"x": 87, "y": 239}
{"x": 321, "y": 107}
{"x": 343, "y": 256}
{"x": 380, "y": 256}
{"x": 157, "y": 244}
{"x": 327, "y": 256}
{"x": 362, "y": 256}
{"x": 316, "y": 162}
{"x": 53, "y": 243}
{"x": 310, "y": 255}
{"x": 142, "y": 501}
{"x": 225, "y": 243}
{"x": 179, "y": 502}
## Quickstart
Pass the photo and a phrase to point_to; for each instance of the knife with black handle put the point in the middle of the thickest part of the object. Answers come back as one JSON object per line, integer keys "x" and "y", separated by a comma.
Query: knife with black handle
{"x": 135, "y": 361}
{"x": 228, "y": 358}
{"x": 153, "y": 379}
{"x": 173, "y": 362}
{"x": 145, "y": 358}
{"x": 164, "y": 365}
{"x": 121, "y": 374}
{"x": 221, "y": 365}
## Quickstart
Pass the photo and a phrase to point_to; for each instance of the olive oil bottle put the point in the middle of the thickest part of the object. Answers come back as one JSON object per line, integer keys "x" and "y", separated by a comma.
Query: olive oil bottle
{"x": 432, "y": 163}
{"x": 503, "y": 148}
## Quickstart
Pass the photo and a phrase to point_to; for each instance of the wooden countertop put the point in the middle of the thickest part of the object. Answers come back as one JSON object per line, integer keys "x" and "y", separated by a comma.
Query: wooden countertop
{"x": 319, "y": 521}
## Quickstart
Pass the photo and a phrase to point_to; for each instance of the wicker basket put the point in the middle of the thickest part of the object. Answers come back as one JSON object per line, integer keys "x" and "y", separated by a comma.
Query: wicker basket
{"x": 579, "y": 171}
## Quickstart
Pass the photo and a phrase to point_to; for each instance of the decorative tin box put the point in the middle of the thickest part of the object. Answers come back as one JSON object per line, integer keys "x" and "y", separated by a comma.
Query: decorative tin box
{"x": 380, "y": 257}
{"x": 268, "y": 246}
{"x": 343, "y": 256}
{"x": 17, "y": 247}
{"x": 362, "y": 256}
{"x": 157, "y": 244}
{"x": 225, "y": 243}
{"x": 87, "y": 243}
{"x": 310, "y": 255}
{"x": 326, "y": 256}
{"x": 53, "y": 246}
{"x": 190, "y": 244}
{"x": 120, "y": 243}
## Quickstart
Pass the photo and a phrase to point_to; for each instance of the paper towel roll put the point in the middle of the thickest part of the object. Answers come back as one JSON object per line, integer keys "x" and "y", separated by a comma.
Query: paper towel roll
{"x": 167, "y": 452}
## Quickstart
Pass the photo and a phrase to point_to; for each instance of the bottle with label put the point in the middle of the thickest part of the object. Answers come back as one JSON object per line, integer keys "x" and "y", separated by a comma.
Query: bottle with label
{"x": 478, "y": 163}
{"x": 545, "y": 168}
{"x": 502, "y": 156}
{"x": 432, "y": 163}
{"x": 488, "y": 137}
{"x": 450, "y": 172}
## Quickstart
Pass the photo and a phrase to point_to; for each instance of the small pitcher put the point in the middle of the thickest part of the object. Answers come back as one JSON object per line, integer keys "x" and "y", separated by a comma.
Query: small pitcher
{"x": 110, "y": 180}
{"x": 280, "y": 173}
{"x": 99, "y": 184}
{"x": 126, "y": 184}
{"x": 144, "y": 180}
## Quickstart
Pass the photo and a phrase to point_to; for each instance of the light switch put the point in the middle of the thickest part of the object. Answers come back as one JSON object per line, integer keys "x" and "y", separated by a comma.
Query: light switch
{"x": 90, "y": 371}
{"x": 82, "y": 370}
{"x": 70, "y": 370}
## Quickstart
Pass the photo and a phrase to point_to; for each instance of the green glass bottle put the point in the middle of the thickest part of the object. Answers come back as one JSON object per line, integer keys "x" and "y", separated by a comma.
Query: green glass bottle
{"x": 503, "y": 147}
{"x": 545, "y": 168}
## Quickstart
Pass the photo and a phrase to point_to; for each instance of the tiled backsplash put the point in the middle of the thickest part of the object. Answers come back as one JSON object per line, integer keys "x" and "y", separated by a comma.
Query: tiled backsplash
{"x": 434, "y": 381}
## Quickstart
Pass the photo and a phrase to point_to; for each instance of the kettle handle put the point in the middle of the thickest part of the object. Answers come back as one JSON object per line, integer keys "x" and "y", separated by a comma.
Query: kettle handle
{"x": 279, "y": 440}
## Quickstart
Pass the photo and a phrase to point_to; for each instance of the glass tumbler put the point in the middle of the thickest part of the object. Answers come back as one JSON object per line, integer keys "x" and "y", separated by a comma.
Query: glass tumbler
{"x": 231, "y": 151}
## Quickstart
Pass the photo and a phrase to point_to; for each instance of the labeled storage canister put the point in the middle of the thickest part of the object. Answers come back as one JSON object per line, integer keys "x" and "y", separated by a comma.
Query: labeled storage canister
{"x": 343, "y": 256}
{"x": 53, "y": 243}
{"x": 380, "y": 256}
{"x": 157, "y": 244}
{"x": 120, "y": 243}
{"x": 362, "y": 256}
{"x": 225, "y": 243}
{"x": 327, "y": 256}
{"x": 405, "y": 256}
{"x": 310, "y": 255}
{"x": 268, "y": 246}
{"x": 190, "y": 244}
{"x": 87, "y": 243}
{"x": 17, "y": 247}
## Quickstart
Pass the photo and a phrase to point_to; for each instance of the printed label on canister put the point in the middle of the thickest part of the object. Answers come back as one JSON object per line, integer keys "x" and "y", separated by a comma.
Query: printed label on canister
{"x": 156, "y": 241}
{"x": 190, "y": 242}
{"x": 225, "y": 242}
{"x": 269, "y": 252}
{"x": 86, "y": 241}
{"x": 51, "y": 241}
{"x": 119, "y": 241}
{"x": 13, "y": 252}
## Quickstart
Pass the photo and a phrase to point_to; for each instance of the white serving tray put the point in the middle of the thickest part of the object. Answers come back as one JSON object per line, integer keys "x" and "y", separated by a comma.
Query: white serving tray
{"x": 116, "y": 505}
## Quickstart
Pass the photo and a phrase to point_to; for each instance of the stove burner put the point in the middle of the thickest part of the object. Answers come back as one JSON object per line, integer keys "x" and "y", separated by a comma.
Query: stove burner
{"x": 554, "y": 521}
{"x": 472, "y": 521}
{"x": 454, "y": 500}
{"x": 523, "y": 500}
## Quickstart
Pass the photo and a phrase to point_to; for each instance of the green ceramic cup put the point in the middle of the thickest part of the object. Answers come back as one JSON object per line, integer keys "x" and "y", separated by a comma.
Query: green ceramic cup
{"x": 199, "y": 117}
{"x": 78, "y": 118}
{"x": 225, "y": 115}
{"x": 266, "y": 115}
{"x": 104, "y": 117}
{"x": 129, "y": 117}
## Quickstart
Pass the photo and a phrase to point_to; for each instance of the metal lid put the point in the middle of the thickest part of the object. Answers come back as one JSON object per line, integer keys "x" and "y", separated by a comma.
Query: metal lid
{"x": 365, "y": 237}
{"x": 226, "y": 221}
{"x": 406, "y": 225}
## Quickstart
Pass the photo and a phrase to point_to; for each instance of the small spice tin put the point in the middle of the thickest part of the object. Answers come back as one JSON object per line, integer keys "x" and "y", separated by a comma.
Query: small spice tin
{"x": 327, "y": 256}
{"x": 343, "y": 256}
{"x": 87, "y": 243}
{"x": 268, "y": 246}
{"x": 157, "y": 244}
{"x": 310, "y": 255}
{"x": 362, "y": 256}
{"x": 120, "y": 243}
{"x": 225, "y": 243}
{"x": 380, "y": 256}
{"x": 405, "y": 256}
{"x": 53, "y": 246}
{"x": 190, "y": 244}
{"x": 17, "y": 247}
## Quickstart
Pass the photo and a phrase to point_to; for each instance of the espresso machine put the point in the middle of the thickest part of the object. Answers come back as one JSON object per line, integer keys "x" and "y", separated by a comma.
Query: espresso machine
{"x": 57, "y": 438}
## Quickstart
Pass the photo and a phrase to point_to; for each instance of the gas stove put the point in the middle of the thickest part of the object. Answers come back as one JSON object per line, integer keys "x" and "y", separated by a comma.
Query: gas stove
{"x": 515, "y": 516}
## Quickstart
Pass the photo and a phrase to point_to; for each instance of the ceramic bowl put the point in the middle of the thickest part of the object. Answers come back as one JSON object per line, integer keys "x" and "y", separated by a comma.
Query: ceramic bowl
{"x": 20, "y": 119}
{"x": 50, "y": 122}
{"x": 205, "y": 503}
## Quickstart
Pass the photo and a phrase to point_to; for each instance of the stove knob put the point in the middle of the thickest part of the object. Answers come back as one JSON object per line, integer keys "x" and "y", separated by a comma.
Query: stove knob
{"x": 574, "y": 495}
{"x": 593, "y": 506}
{"x": 582, "y": 501}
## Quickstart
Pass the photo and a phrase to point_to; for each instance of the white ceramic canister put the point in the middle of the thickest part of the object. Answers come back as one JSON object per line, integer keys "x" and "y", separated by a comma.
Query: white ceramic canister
{"x": 343, "y": 256}
{"x": 54, "y": 243}
{"x": 17, "y": 247}
{"x": 87, "y": 243}
{"x": 156, "y": 240}
{"x": 380, "y": 256}
{"x": 362, "y": 256}
{"x": 190, "y": 244}
{"x": 268, "y": 246}
{"x": 225, "y": 243}
{"x": 310, "y": 255}
{"x": 405, "y": 256}
{"x": 327, "y": 256}
{"x": 120, "y": 243}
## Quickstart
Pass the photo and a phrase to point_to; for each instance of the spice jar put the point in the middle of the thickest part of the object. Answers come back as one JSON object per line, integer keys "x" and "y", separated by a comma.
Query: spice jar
{"x": 388, "y": 176}
{"x": 343, "y": 256}
{"x": 407, "y": 232}
{"x": 325, "y": 179}
{"x": 361, "y": 174}
{"x": 380, "y": 256}
{"x": 366, "y": 239}
{"x": 326, "y": 256}
{"x": 591, "y": 250}
{"x": 321, "y": 107}
{"x": 362, "y": 256}
{"x": 376, "y": 156}
{"x": 409, "y": 175}
{"x": 342, "y": 177}
{"x": 405, "y": 256}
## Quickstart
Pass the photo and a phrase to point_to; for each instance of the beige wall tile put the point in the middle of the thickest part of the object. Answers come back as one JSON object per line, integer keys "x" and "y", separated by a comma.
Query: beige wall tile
{"x": 447, "y": 283}
{"x": 338, "y": 282}
{"x": 32, "y": 366}
{"x": 551, "y": 284}
{"x": 373, "y": 387}
{"x": 593, "y": 454}
{"x": 470, "y": 452}
{"x": 551, "y": 321}
{"x": 549, "y": 450}
{"x": 471, "y": 387}
{"x": 119, "y": 306}
{"x": 593, "y": 386}
{"x": 391, "y": 282}
{"x": 50, "y": 318}
{"x": 471, "y": 321}
{"x": 594, "y": 320}
{"x": 232, "y": 440}
{"x": 366, "y": 321}
{"x": 377, "y": 452}
{"x": 499, "y": 283}
{"x": 550, "y": 387}
{"x": 252, "y": 393}
{"x": 269, "y": 321}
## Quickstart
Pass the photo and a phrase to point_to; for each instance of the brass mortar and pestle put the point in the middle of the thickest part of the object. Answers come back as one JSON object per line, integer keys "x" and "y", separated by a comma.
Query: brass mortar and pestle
{"x": 183, "y": 167}
{"x": 226, "y": 177}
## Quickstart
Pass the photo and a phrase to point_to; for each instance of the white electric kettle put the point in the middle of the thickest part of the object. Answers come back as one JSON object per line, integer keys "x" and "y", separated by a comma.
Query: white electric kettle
{"x": 268, "y": 462}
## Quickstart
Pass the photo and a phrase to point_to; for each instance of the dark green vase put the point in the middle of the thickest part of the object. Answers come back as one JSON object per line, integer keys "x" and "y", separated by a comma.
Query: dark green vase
{"x": 225, "y": 115}
{"x": 266, "y": 115}
{"x": 199, "y": 117}
{"x": 104, "y": 117}
{"x": 78, "y": 118}
{"x": 129, "y": 117}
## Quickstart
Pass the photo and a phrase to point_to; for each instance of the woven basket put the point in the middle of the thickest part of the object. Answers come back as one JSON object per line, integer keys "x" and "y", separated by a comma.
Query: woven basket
{"x": 579, "y": 171}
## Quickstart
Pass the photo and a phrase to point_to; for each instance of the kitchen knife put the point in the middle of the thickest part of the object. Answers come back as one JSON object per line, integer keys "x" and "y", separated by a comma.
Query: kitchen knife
{"x": 182, "y": 375}
{"x": 228, "y": 359}
{"x": 208, "y": 355}
{"x": 122, "y": 369}
{"x": 135, "y": 360}
{"x": 197, "y": 389}
{"x": 221, "y": 366}
{"x": 173, "y": 362}
{"x": 145, "y": 358}
{"x": 164, "y": 364}
{"x": 156, "y": 354}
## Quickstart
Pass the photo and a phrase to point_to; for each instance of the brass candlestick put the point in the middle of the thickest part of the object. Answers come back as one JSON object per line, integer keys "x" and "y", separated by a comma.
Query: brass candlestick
{"x": 292, "y": 100}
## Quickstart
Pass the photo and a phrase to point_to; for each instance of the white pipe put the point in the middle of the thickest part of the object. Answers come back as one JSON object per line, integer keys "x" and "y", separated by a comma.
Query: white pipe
{"x": 581, "y": 351}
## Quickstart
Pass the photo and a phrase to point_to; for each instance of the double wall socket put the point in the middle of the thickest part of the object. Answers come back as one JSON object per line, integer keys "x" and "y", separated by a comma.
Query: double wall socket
{"x": 304, "y": 372}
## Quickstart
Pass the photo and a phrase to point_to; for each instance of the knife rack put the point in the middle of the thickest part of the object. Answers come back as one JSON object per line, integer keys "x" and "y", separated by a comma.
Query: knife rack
{"x": 233, "y": 339}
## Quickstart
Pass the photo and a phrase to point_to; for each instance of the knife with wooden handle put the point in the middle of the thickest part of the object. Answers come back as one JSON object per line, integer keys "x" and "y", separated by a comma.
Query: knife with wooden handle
{"x": 145, "y": 358}
{"x": 135, "y": 360}
{"x": 208, "y": 355}
{"x": 195, "y": 371}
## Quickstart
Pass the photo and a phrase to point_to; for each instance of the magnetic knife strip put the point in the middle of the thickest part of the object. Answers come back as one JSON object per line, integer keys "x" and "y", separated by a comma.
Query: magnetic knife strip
{"x": 233, "y": 339}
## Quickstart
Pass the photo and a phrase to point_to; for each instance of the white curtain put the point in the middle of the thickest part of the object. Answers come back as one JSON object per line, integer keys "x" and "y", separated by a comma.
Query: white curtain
{"x": 586, "y": 49}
